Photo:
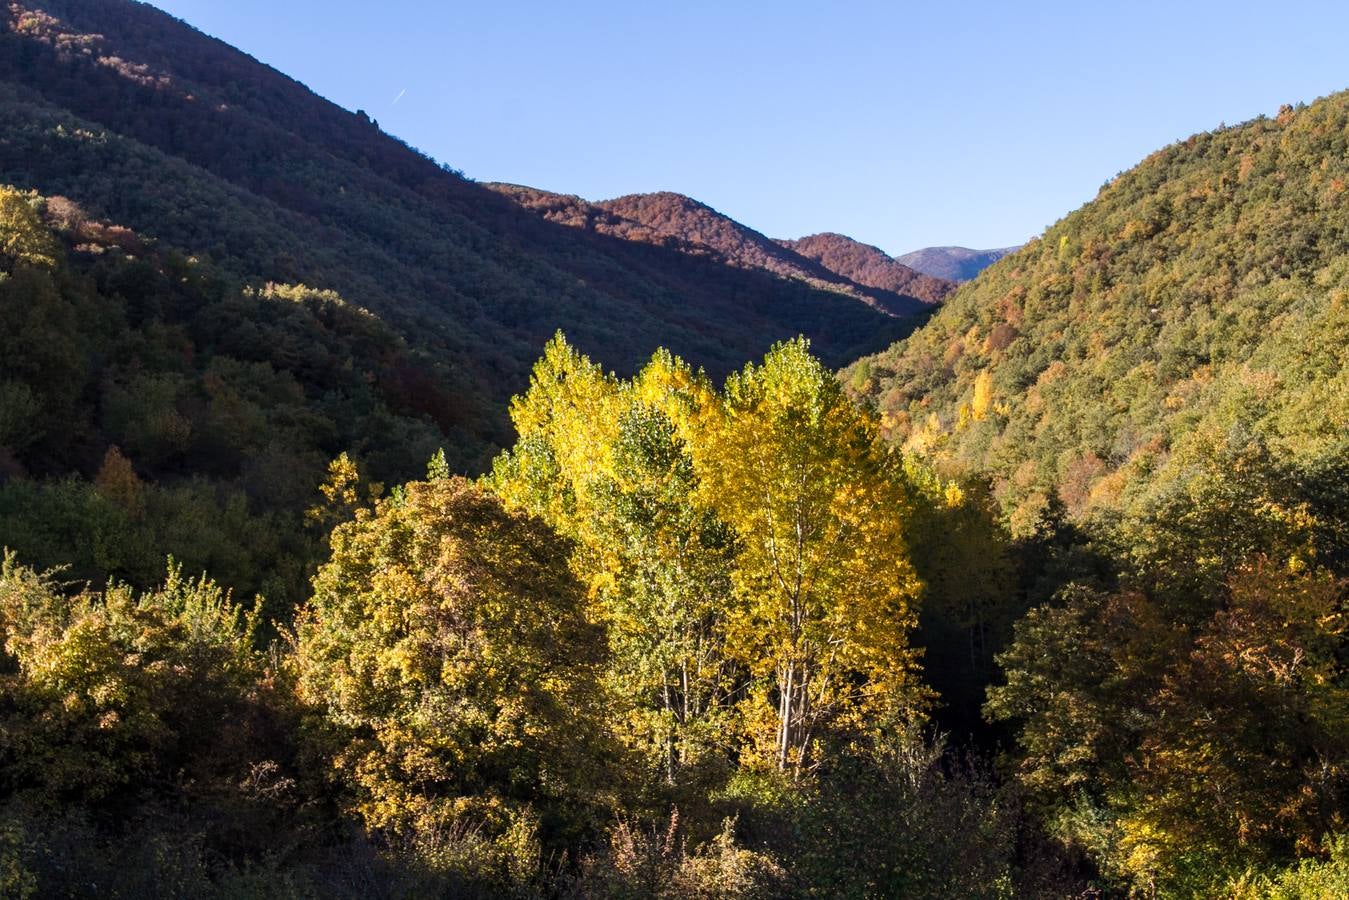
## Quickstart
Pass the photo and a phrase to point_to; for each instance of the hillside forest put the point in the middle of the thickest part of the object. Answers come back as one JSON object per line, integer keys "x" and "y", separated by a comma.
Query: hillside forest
{"x": 615, "y": 550}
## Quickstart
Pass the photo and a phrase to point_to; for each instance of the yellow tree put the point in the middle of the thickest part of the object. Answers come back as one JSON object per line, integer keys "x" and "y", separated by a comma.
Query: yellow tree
{"x": 827, "y": 592}
{"x": 117, "y": 481}
{"x": 606, "y": 463}
{"x": 982, "y": 401}
{"x": 24, "y": 239}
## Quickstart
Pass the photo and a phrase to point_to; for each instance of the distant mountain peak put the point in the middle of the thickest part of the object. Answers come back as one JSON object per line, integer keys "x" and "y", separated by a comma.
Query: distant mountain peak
{"x": 870, "y": 266}
{"x": 953, "y": 263}
{"x": 663, "y": 199}
{"x": 674, "y": 220}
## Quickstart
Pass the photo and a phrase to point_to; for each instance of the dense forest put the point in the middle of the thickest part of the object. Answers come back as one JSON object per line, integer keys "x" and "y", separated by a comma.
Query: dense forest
{"x": 1161, "y": 380}
{"x": 583, "y": 675}
{"x": 421, "y": 538}
{"x": 148, "y": 124}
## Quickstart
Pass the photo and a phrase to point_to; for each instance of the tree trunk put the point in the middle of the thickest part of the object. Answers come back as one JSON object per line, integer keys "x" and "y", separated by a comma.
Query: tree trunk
{"x": 785, "y": 705}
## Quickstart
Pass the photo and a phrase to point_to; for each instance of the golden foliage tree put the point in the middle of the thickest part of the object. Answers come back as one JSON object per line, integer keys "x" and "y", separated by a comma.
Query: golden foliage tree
{"x": 746, "y": 550}
{"x": 24, "y": 239}
{"x": 118, "y": 481}
{"x": 828, "y": 595}
{"x": 607, "y": 464}
{"x": 114, "y": 695}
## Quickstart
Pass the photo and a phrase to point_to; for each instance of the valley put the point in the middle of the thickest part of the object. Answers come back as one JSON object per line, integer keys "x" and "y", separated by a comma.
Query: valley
{"x": 368, "y": 530}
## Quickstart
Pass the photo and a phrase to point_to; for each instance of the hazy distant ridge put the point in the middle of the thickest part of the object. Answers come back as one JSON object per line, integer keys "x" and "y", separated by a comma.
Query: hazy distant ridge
{"x": 953, "y": 263}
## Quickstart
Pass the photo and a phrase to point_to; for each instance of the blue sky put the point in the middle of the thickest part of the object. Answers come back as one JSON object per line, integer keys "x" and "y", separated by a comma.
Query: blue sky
{"x": 901, "y": 124}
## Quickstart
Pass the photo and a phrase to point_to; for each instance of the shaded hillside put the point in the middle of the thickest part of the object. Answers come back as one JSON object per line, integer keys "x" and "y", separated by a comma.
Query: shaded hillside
{"x": 152, "y": 405}
{"x": 145, "y": 122}
{"x": 683, "y": 224}
{"x": 952, "y": 263}
{"x": 870, "y": 265}
{"x": 1193, "y": 318}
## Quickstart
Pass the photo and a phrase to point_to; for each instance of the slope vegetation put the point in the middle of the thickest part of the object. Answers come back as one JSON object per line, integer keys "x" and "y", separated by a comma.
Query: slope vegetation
{"x": 871, "y": 266}
{"x": 683, "y": 224}
{"x": 202, "y": 414}
{"x": 143, "y": 121}
{"x": 1201, "y": 299}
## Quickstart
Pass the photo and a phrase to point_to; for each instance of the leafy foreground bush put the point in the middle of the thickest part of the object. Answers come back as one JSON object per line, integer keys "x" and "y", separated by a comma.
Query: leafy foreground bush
{"x": 639, "y": 862}
{"x": 149, "y": 750}
{"x": 1308, "y": 880}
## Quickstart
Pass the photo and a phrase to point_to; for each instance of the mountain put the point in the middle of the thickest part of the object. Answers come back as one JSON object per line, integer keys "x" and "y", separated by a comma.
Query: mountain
{"x": 682, "y": 641}
{"x": 681, "y": 223}
{"x": 240, "y": 281}
{"x": 1154, "y": 397}
{"x": 870, "y": 266}
{"x": 1193, "y": 318}
{"x": 145, "y": 123}
{"x": 952, "y": 263}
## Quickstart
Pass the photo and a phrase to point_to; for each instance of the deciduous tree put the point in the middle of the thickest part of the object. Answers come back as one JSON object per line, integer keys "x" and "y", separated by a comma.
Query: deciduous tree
{"x": 448, "y": 648}
{"x": 827, "y": 595}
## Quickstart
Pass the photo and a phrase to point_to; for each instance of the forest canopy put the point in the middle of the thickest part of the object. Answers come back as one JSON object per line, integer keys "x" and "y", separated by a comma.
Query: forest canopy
{"x": 1046, "y": 600}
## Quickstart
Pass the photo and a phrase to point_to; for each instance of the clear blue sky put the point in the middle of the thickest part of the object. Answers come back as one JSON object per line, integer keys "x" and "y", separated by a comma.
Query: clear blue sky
{"x": 901, "y": 124}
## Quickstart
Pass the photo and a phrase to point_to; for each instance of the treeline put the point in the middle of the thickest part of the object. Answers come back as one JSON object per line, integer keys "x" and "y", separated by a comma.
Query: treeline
{"x": 672, "y": 646}
{"x": 662, "y": 650}
{"x": 150, "y": 405}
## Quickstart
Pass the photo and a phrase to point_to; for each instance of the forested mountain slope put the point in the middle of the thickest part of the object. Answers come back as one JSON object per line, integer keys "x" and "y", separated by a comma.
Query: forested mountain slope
{"x": 1202, "y": 299}
{"x": 870, "y": 265}
{"x": 1157, "y": 392}
{"x": 167, "y": 383}
{"x": 952, "y": 263}
{"x": 144, "y": 122}
{"x": 150, "y": 405}
{"x": 682, "y": 223}
{"x": 685, "y": 639}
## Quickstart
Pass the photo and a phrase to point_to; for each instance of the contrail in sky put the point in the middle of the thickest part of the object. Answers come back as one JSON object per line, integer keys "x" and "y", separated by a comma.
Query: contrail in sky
{"x": 400, "y": 95}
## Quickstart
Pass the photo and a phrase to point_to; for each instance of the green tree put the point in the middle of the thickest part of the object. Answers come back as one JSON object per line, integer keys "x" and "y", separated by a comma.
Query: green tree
{"x": 1247, "y": 758}
{"x": 1179, "y": 755}
{"x": 448, "y": 649}
{"x": 113, "y": 696}
{"x": 438, "y": 467}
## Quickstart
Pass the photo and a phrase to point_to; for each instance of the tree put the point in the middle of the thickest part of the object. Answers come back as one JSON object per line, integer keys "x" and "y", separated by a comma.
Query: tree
{"x": 448, "y": 650}
{"x": 1078, "y": 676}
{"x": 607, "y": 463}
{"x": 117, "y": 481}
{"x": 342, "y": 494}
{"x": 24, "y": 239}
{"x": 827, "y": 593}
{"x": 113, "y": 697}
{"x": 1177, "y": 754}
{"x": 438, "y": 467}
{"x": 982, "y": 401}
{"x": 1248, "y": 756}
